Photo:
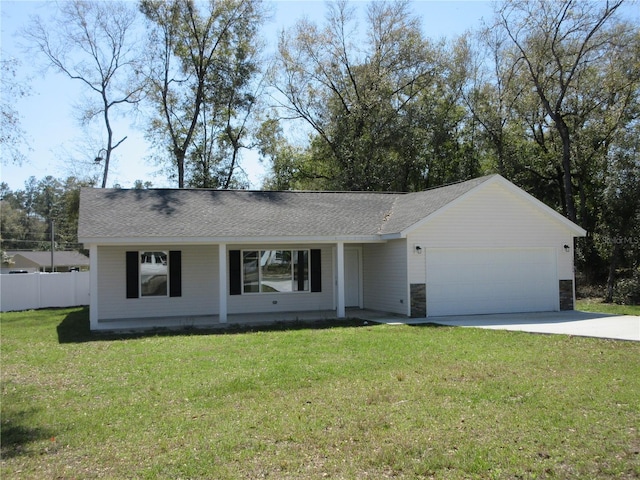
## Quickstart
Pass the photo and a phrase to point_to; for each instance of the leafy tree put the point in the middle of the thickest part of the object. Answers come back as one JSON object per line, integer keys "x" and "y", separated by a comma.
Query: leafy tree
{"x": 141, "y": 185}
{"x": 619, "y": 238}
{"x": 17, "y": 231}
{"x": 359, "y": 93}
{"x": 26, "y": 215}
{"x": 20, "y": 226}
{"x": 203, "y": 62}
{"x": 291, "y": 168}
{"x": 92, "y": 42}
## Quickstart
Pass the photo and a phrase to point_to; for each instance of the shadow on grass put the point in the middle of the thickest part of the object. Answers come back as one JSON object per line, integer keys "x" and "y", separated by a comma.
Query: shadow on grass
{"x": 428, "y": 325}
{"x": 16, "y": 433}
{"x": 75, "y": 328}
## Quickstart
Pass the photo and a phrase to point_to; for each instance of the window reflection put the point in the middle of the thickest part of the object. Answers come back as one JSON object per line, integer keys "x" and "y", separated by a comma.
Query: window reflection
{"x": 250, "y": 270}
{"x": 275, "y": 271}
{"x": 153, "y": 274}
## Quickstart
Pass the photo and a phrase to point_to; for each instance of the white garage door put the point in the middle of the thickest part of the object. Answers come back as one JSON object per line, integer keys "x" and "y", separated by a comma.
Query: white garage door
{"x": 476, "y": 281}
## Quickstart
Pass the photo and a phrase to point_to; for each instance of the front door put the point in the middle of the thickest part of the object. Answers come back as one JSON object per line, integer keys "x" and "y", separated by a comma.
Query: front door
{"x": 352, "y": 285}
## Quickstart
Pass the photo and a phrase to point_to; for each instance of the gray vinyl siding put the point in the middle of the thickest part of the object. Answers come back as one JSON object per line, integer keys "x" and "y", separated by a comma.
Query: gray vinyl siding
{"x": 385, "y": 277}
{"x": 287, "y": 302}
{"x": 199, "y": 285}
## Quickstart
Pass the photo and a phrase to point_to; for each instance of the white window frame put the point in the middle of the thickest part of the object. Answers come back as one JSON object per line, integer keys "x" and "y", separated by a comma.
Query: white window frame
{"x": 260, "y": 251}
{"x": 140, "y": 254}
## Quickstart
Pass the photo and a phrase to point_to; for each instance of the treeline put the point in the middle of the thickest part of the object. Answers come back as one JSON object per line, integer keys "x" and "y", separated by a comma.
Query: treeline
{"x": 27, "y": 214}
{"x": 546, "y": 93}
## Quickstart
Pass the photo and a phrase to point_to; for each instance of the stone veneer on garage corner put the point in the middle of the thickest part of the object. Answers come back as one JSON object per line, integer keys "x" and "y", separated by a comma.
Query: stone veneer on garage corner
{"x": 418, "y": 300}
{"x": 566, "y": 294}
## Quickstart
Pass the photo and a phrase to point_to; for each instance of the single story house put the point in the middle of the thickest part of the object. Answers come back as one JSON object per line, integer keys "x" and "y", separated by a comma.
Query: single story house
{"x": 196, "y": 257}
{"x": 40, "y": 261}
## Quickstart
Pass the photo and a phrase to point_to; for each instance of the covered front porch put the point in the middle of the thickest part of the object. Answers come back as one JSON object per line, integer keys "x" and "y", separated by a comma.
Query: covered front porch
{"x": 211, "y": 284}
{"x": 247, "y": 320}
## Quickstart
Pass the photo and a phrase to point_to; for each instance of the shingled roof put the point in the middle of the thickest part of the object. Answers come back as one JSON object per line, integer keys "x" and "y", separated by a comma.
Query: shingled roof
{"x": 60, "y": 258}
{"x": 239, "y": 214}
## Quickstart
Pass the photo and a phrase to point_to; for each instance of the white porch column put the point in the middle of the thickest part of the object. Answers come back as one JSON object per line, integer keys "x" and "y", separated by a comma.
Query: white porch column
{"x": 340, "y": 312}
{"x": 222, "y": 281}
{"x": 93, "y": 287}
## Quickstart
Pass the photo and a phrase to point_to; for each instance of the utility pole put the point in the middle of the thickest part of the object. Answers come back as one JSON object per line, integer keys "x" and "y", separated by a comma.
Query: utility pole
{"x": 52, "y": 245}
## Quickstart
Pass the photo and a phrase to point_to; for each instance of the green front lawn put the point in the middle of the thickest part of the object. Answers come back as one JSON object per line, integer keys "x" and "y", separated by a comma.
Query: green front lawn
{"x": 597, "y": 305}
{"x": 301, "y": 403}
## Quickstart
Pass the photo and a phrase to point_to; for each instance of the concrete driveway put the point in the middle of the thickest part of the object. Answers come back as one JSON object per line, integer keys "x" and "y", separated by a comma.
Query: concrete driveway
{"x": 586, "y": 324}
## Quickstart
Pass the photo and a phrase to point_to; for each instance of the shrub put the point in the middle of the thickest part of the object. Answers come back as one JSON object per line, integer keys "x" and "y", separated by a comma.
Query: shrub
{"x": 627, "y": 290}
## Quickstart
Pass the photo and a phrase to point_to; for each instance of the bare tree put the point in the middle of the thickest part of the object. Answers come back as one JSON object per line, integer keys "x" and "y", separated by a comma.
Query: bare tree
{"x": 360, "y": 91}
{"x": 193, "y": 47}
{"x": 557, "y": 41}
{"x": 12, "y": 135}
{"x": 92, "y": 42}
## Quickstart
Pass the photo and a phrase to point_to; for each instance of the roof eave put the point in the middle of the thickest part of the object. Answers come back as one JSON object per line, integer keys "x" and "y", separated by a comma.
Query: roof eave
{"x": 120, "y": 241}
{"x": 444, "y": 208}
{"x": 576, "y": 230}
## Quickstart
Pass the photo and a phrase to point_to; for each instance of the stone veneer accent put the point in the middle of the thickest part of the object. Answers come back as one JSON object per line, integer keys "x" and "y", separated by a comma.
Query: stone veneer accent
{"x": 418, "y": 300}
{"x": 566, "y": 294}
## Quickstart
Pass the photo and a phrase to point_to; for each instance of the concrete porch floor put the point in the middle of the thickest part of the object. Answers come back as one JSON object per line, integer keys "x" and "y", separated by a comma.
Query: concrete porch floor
{"x": 350, "y": 313}
{"x": 313, "y": 316}
{"x": 244, "y": 320}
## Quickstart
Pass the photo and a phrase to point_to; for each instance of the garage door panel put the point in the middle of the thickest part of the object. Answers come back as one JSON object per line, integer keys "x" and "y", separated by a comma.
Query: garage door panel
{"x": 476, "y": 281}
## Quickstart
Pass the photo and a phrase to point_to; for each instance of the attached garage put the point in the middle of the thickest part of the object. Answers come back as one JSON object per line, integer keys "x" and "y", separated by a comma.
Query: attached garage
{"x": 463, "y": 281}
{"x": 494, "y": 249}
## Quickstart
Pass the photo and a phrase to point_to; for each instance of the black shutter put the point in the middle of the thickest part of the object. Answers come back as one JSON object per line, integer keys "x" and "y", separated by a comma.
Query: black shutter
{"x": 235, "y": 273}
{"x": 175, "y": 273}
{"x": 301, "y": 268}
{"x": 316, "y": 273}
{"x": 133, "y": 264}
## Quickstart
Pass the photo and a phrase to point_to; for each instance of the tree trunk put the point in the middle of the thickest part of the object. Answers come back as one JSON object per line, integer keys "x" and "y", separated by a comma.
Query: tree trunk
{"x": 563, "y": 130}
{"x": 611, "y": 279}
{"x": 180, "y": 154}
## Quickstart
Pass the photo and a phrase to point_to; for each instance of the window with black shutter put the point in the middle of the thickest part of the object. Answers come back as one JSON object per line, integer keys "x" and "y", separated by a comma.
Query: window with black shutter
{"x": 154, "y": 274}
{"x": 274, "y": 271}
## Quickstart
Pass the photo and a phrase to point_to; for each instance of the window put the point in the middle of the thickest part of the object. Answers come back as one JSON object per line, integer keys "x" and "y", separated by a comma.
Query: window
{"x": 246, "y": 271}
{"x": 275, "y": 271}
{"x": 154, "y": 274}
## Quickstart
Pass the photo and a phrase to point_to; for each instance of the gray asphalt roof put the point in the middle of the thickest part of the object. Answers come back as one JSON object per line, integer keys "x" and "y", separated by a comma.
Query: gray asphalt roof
{"x": 154, "y": 213}
{"x": 60, "y": 258}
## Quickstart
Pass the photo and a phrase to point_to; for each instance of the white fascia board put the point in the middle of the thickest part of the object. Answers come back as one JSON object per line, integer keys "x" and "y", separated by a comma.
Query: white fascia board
{"x": 576, "y": 230}
{"x": 115, "y": 241}
{"x": 394, "y": 236}
{"x": 440, "y": 211}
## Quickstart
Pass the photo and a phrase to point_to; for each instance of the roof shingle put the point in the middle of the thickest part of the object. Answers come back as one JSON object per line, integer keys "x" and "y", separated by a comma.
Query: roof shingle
{"x": 155, "y": 213}
{"x": 60, "y": 258}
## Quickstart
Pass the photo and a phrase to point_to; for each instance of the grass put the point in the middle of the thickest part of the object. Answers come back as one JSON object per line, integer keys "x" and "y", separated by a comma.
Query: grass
{"x": 344, "y": 402}
{"x": 598, "y": 305}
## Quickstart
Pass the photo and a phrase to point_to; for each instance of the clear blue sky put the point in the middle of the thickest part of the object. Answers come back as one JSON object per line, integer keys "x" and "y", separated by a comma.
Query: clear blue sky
{"x": 56, "y": 139}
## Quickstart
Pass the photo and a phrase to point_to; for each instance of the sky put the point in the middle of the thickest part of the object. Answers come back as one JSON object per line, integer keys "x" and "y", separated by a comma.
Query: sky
{"x": 55, "y": 139}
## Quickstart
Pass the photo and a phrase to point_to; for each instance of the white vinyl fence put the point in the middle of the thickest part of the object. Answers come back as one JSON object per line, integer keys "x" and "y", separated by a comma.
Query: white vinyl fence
{"x": 27, "y": 291}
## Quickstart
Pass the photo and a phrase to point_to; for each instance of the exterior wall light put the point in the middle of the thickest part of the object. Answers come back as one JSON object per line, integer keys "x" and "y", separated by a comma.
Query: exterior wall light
{"x": 418, "y": 249}
{"x": 567, "y": 248}
{"x": 100, "y": 157}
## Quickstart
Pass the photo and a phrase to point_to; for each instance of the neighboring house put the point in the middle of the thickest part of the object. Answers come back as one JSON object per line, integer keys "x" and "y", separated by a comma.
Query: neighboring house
{"x": 200, "y": 257}
{"x": 41, "y": 261}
